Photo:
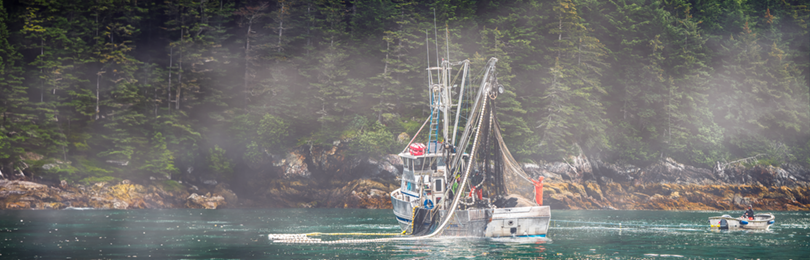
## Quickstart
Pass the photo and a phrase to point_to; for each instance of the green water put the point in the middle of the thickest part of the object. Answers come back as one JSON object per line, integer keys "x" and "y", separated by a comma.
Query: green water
{"x": 242, "y": 234}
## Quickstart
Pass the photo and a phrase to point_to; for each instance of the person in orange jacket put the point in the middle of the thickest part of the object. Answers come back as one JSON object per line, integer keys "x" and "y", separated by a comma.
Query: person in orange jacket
{"x": 538, "y": 190}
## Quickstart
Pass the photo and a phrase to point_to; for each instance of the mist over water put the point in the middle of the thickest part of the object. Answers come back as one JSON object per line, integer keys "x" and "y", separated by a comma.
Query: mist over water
{"x": 230, "y": 234}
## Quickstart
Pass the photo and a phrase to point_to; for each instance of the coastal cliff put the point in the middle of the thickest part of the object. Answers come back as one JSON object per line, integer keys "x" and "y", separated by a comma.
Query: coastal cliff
{"x": 329, "y": 177}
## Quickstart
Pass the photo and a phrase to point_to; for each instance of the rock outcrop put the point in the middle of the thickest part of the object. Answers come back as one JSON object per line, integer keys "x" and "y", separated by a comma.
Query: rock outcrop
{"x": 317, "y": 176}
{"x": 15, "y": 194}
{"x": 667, "y": 196}
{"x": 206, "y": 201}
{"x": 667, "y": 185}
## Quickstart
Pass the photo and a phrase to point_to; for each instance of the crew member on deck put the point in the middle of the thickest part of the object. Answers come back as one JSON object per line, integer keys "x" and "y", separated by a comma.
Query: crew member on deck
{"x": 749, "y": 214}
{"x": 538, "y": 190}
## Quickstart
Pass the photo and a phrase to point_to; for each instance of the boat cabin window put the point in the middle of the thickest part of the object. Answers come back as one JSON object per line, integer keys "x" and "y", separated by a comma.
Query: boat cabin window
{"x": 426, "y": 164}
{"x": 417, "y": 164}
{"x": 411, "y": 187}
{"x": 438, "y": 187}
{"x": 405, "y": 163}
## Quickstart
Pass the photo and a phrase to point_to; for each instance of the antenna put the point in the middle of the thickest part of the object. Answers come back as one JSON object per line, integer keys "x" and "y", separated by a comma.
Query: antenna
{"x": 447, "y": 40}
{"x": 427, "y": 47}
{"x": 436, "y": 33}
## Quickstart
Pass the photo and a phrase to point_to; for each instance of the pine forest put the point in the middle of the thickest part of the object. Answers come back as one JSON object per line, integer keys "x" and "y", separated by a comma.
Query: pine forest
{"x": 131, "y": 89}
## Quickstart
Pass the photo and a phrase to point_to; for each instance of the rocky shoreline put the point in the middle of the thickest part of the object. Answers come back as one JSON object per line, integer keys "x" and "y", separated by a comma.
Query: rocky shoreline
{"x": 663, "y": 196}
{"x": 326, "y": 177}
{"x": 668, "y": 185}
{"x": 17, "y": 194}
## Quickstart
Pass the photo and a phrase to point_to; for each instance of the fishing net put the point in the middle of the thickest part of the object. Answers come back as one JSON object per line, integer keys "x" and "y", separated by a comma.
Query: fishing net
{"x": 425, "y": 221}
{"x": 516, "y": 181}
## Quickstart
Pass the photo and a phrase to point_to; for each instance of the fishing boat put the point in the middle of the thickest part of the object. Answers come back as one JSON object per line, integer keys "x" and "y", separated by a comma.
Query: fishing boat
{"x": 762, "y": 221}
{"x": 454, "y": 182}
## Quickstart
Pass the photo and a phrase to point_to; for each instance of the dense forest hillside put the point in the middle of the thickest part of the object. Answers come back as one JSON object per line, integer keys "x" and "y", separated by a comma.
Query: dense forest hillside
{"x": 125, "y": 89}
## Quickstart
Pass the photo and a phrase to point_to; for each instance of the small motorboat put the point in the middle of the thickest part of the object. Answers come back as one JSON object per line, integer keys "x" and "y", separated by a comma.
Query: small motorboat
{"x": 761, "y": 221}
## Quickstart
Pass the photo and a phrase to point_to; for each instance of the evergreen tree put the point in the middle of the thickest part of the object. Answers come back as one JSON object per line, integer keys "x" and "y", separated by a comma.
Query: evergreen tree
{"x": 573, "y": 116}
{"x": 119, "y": 100}
{"x": 401, "y": 79}
{"x": 698, "y": 81}
{"x": 691, "y": 133}
{"x": 637, "y": 104}
{"x": 58, "y": 31}
{"x": 334, "y": 94}
{"x": 17, "y": 113}
{"x": 159, "y": 160}
{"x": 249, "y": 17}
{"x": 740, "y": 78}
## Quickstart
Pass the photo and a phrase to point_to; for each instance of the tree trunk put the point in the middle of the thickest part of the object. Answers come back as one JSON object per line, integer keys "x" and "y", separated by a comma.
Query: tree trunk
{"x": 180, "y": 67}
{"x": 280, "y": 26}
{"x": 385, "y": 77}
{"x": 309, "y": 27}
{"x": 247, "y": 59}
{"x": 98, "y": 77}
{"x": 169, "y": 88}
{"x": 41, "y": 70}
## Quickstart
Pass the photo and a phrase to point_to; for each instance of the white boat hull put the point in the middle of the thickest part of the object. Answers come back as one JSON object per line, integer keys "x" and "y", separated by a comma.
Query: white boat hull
{"x": 519, "y": 222}
{"x": 759, "y": 222}
{"x": 503, "y": 222}
{"x": 403, "y": 210}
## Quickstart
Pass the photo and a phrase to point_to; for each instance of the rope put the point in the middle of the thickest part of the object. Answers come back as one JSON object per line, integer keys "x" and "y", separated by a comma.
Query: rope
{"x": 303, "y": 238}
{"x": 332, "y": 234}
{"x": 414, "y": 136}
{"x": 413, "y": 216}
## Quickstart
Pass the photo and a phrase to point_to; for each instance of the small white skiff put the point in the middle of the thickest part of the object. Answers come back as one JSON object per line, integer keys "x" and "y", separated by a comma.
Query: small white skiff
{"x": 761, "y": 221}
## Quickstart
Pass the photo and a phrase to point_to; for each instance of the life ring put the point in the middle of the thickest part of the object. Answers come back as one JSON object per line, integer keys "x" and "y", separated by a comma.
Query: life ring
{"x": 428, "y": 204}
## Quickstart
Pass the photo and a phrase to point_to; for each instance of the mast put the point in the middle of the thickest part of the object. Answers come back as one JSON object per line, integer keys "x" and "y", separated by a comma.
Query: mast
{"x": 466, "y": 66}
{"x": 482, "y": 94}
{"x": 445, "y": 99}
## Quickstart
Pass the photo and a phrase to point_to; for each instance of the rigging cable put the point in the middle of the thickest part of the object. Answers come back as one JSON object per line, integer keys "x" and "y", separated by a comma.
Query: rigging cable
{"x": 303, "y": 238}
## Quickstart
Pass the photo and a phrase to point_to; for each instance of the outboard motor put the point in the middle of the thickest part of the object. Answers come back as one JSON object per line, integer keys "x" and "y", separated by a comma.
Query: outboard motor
{"x": 723, "y": 224}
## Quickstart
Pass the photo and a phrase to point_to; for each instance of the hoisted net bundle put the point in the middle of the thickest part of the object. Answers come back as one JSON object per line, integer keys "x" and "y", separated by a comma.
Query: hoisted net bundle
{"x": 516, "y": 181}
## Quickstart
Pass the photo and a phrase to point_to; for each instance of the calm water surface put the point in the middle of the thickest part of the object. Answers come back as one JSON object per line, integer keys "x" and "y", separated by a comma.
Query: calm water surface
{"x": 242, "y": 234}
